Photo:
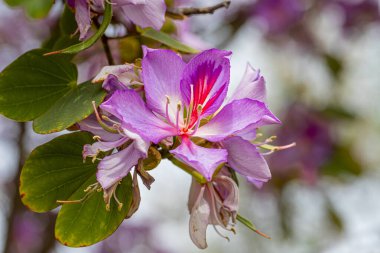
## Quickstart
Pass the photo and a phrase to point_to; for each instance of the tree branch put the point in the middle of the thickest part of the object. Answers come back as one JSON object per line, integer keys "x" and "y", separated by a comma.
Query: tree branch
{"x": 180, "y": 13}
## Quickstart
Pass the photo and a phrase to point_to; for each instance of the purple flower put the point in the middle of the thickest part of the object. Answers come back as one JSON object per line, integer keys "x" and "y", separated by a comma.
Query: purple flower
{"x": 116, "y": 166}
{"x": 185, "y": 100}
{"x": 144, "y": 13}
{"x": 214, "y": 203}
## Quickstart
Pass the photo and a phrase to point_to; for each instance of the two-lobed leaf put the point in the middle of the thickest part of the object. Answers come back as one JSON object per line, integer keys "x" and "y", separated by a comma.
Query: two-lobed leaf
{"x": 54, "y": 171}
{"x": 44, "y": 89}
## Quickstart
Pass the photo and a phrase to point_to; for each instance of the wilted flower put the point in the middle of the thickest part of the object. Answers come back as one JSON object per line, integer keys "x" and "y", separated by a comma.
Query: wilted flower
{"x": 214, "y": 203}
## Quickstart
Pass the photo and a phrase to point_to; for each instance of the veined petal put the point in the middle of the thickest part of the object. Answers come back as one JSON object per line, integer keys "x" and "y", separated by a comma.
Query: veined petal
{"x": 209, "y": 74}
{"x": 162, "y": 71}
{"x": 82, "y": 16}
{"x": 251, "y": 86}
{"x": 229, "y": 193}
{"x": 235, "y": 117}
{"x": 244, "y": 158}
{"x": 204, "y": 160}
{"x": 101, "y": 146}
{"x": 199, "y": 220}
{"x": 256, "y": 182}
{"x": 125, "y": 73}
{"x": 115, "y": 167}
{"x": 148, "y": 14}
{"x": 195, "y": 190}
{"x": 129, "y": 107}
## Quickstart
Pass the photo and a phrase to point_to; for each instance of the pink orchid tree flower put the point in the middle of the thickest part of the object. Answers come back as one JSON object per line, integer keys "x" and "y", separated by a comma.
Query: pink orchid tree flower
{"x": 184, "y": 100}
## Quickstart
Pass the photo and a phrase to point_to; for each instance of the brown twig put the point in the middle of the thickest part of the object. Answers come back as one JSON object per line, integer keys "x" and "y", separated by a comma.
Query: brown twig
{"x": 180, "y": 13}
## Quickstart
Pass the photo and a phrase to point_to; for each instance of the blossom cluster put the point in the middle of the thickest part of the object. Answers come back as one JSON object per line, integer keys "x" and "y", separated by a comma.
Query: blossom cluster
{"x": 180, "y": 111}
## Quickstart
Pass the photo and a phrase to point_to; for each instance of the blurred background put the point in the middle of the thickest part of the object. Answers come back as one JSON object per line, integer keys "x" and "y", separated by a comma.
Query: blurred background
{"x": 321, "y": 61}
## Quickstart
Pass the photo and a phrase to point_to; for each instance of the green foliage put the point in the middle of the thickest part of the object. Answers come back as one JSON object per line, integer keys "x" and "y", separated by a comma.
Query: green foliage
{"x": 71, "y": 108}
{"x": 34, "y": 8}
{"x": 32, "y": 83}
{"x": 89, "y": 222}
{"x": 55, "y": 171}
{"x": 167, "y": 40}
{"x": 44, "y": 89}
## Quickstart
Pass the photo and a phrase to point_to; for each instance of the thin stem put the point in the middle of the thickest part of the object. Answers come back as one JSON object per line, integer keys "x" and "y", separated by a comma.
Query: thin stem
{"x": 181, "y": 12}
{"x": 106, "y": 47}
{"x": 107, "y": 50}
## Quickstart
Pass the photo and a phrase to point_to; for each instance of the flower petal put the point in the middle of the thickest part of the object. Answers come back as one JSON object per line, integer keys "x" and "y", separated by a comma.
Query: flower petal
{"x": 148, "y": 14}
{"x": 209, "y": 74}
{"x": 129, "y": 107}
{"x": 115, "y": 167}
{"x": 229, "y": 193}
{"x": 112, "y": 84}
{"x": 246, "y": 159}
{"x": 101, "y": 146}
{"x": 125, "y": 73}
{"x": 162, "y": 71}
{"x": 82, "y": 16}
{"x": 204, "y": 160}
{"x": 251, "y": 86}
{"x": 199, "y": 219}
{"x": 257, "y": 183}
{"x": 235, "y": 117}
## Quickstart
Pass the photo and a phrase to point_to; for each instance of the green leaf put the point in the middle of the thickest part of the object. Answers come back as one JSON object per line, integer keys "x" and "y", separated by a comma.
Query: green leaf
{"x": 167, "y": 40}
{"x": 84, "y": 224}
{"x": 93, "y": 39}
{"x": 72, "y": 107}
{"x": 34, "y": 8}
{"x": 44, "y": 89}
{"x": 55, "y": 171}
{"x": 32, "y": 84}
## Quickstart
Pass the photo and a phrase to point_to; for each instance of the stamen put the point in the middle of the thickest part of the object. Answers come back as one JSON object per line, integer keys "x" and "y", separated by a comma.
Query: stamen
{"x": 119, "y": 204}
{"x": 96, "y": 138}
{"x": 219, "y": 233}
{"x": 167, "y": 107}
{"x": 110, "y": 120}
{"x": 190, "y": 105}
{"x": 109, "y": 194}
{"x": 101, "y": 123}
{"x": 177, "y": 117}
{"x": 273, "y": 149}
{"x": 90, "y": 190}
{"x": 199, "y": 111}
